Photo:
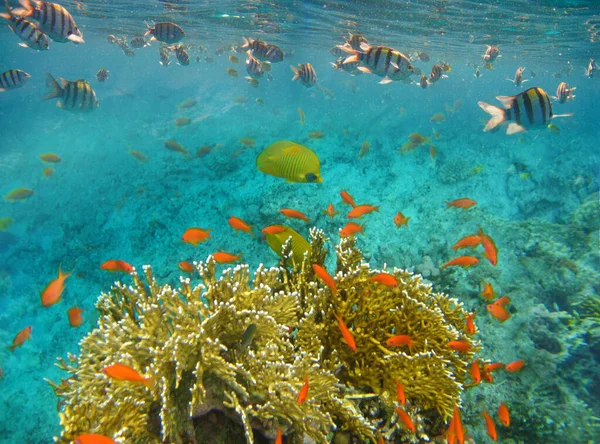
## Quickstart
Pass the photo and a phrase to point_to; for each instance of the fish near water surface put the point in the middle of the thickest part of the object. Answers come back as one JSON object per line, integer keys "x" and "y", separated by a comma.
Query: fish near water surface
{"x": 382, "y": 61}
{"x": 54, "y": 20}
{"x": 28, "y": 31}
{"x": 165, "y": 32}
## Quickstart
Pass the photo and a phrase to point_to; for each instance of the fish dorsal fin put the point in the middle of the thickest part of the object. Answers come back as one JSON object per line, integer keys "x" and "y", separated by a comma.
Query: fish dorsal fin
{"x": 292, "y": 150}
{"x": 364, "y": 46}
{"x": 506, "y": 100}
{"x": 64, "y": 82}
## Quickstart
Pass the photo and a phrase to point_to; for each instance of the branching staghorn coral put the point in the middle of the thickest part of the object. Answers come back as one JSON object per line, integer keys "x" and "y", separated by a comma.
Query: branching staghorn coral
{"x": 194, "y": 343}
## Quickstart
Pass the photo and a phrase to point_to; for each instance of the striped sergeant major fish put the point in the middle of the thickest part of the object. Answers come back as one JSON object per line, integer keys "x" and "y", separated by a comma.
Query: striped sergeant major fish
{"x": 32, "y": 36}
{"x": 164, "y": 52}
{"x": 381, "y": 60}
{"x": 437, "y": 73}
{"x": 306, "y": 73}
{"x": 518, "y": 80}
{"x": 253, "y": 66}
{"x": 13, "y": 79}
{"x": 263, "y": 51}
{"x": 77, "y": 95}
{"x": 165, "y": 32}
{"x": 351, "y": 68}
{"x": 591, "y": 69}
{"x": 564, "y": 93}
{"x": 531, "y": 107}
{"x": 181, "y": 54}
{"x": 355, "y": 40}
{"x": 54, "y": 20}
{"x": 492, "y": 52}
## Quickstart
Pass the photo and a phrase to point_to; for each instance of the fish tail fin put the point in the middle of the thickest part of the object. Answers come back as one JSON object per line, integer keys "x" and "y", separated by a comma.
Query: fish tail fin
{"x": 296, "y": 72}
{"x": 55, "y": 88}
{"x": 498, "y": 115}
{"x": 11, "y": 348}
{"x": 149, "y": 30}
{"x": 27, "y": 8}
{"x": 246, "y": 43}
{"x": 362, "y": 228}
{"x": 150, "y": 383}
{"x": 62, "y": 274}
{"x": 332, "y": 64}
{"x": 9, "y": 15}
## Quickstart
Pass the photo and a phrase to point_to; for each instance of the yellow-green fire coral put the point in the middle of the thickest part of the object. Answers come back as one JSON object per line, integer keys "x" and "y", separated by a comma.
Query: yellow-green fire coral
{"x": 195, "y": 342}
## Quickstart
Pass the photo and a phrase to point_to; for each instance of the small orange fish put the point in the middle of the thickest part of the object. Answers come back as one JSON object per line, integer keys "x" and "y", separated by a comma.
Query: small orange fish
{"x": 515, "y": 366}
{"x": 21, "y": 337}
{"x": 294, "y": 214}
{"x": 503, "y": 414}
{"x": 361, "y": 210}
{"x": 273, "y": 229}
{"x": 490, "y": 426}
{"x": 488, "y": 291}
{"x": 459, "y": 346}
{"x": 400, "y": 396}
{"x": 223, "y": 257}
{"x": 50, "y": 158}
{"x": 385, "y": 279}
{"x": 475, "y": 372}
{"x": 302, "y": 116}
{"x": 303, "y": 394}
{"x": 503, "y": 301}
{"x": 400, "y": 220}
{"x": 347, "y": 198}
{"x": 492, "y": 366}
{"x": 463, "y": 203}
{"x": 75, "y": 318}
{"x": 498, "y": 312}
{"x": 195, "y": 235}
{"x": 48, "y": 172}
{"x": 471, "y": 324}
{"x": 408, "y": 423}
{"x": 279, "y": 437}
{"x": 19, "y": 194}
{"x": 330, "y": 211}
{"x": 122, "y": 372}
{"x": 321, "y": 272}
{"x": 351, "y": 228}
{"x": 467, "y": 241}
{"x": 116, "y": 265}
{"x": 53, "y": 291}
{"x": 346, "y": 333}
{"x": 364, "y": 149}
{"x": 93, "y": 438}
{"x": 487, "y": 377}
{"x": 400, "y": 340}
{"x": 462, "y": 261}
{"x": 239, "y": 225}
{"x": 186, "y": 267}
{"x": 458, "y": 427}
{"x": 316, "y": 135}
{"x": 489, "y": 247}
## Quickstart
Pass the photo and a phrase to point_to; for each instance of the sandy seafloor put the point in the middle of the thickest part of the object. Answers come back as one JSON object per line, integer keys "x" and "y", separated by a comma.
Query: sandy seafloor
{"x": 101, "y": 204}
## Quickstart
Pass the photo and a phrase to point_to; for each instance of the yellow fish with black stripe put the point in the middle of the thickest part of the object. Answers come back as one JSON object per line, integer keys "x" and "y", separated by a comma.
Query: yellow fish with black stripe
{"x": 291, "y": 161}
{"x": 382, "y": 61}
{"x": 529, "y": 108}
{"x": 77, "y": 95}
{"x": 300, "y": 246}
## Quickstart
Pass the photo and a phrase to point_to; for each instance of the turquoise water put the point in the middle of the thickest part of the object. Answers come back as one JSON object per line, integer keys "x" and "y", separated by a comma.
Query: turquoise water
{"x": 536, "y": 192}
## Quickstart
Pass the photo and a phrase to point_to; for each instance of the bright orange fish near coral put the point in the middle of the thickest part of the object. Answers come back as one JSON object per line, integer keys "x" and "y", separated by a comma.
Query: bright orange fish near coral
{"x": 222, "y": 257}
{"x": 498, "y": 312}
{"x": 461, "y": 261}
{"x": 406, "y": 420}
{"x": 386, "y": 279}
{"x": 122, "y": 372}
{"x": 351, "y": 228}
{"x": 475, "y": 372}
{"x": 346, "y": 333}
{"x": 20, "y": 338}
{"x": 488, "y": 291}
{"x": 459, "y": 346}
{"x": 503, "y": 301}
{"x": 464, "y": 203}
{"x": 400, "y": 220}
{"x": 489, "y": 247}
{"x": 492, "y": 366}
{"x": 490, "y": 426}
{"x": 195, "y": 235}
{"x": 515, "y": 366}
{"x": 303, "y": 394}
{"x": 400, "y": 341}
{"x": 116, "y": 265}
{"x": 459, "y": 431}
{"x": 330, "y": 211}
{"x": 93, "y": 438}
{"x": 74, "y": 314}
{"x": 273, "y": 229}
{"x": 53, "y": 291}
{"x": 400, "y": 396}
{"x": 279, "y": 437}
{"x": 294, "y": 214}
{"x": 239, "y": 225}
{"x": 470, "y": 324}
{"x": 322, "y": 273}
{"x": 347, "y": 198}
{"x": 360, "y": 210}
{"x": 503, "y": 414}
{"x": 186, "y": 267}
{"x": 467, "y": 242}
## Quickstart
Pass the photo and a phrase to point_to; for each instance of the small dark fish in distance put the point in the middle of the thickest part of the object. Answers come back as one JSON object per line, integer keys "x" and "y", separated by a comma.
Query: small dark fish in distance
{"x": 138, "y": 42}
{"x": 28, "y": 31}
{"x": 253, "y": 66}
{"x": 54, "y": 20}
{"x": 248, "y": 337}
{"x": 564, "y": 93}
{"x": 75, "y": 95}
{"x": 165, "y": 32}
{"x": 13, "y": 79}
{"x": 102, "y": 75}
{"x": 182, "y": 55}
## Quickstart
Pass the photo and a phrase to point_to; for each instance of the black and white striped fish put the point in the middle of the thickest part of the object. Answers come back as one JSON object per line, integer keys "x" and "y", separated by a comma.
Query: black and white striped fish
{"x": 492, "y": 52}
{"x": 518, "y": 80}
{"x": 564, "y": 93}
{"x": 253, "y": 66}
{"x": 77, "y": 95}
{"x": 424, "y": 83}
{"x": 165, "y": 32}
{"x": 54, "y": 20}
{"x": 263, "y": 51}
{"x": 306, "y": 73}
{"x": 13, "y": 79}
{"x": 102, "y": 74}
{"x": 381, "y": 60}
{"x": 531, "y": 107}
{"x": 355, "y": 40}
{"x": 182, "y": 55}
{"x": 164, "y": 53}
{"x": 437, "y": 73}
{"x": 32, "y": 36}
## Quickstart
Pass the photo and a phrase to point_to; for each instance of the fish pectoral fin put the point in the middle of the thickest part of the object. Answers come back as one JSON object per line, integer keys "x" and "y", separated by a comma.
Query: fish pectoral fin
{"x": 364, "y": 69}
{"x": 514, "y": 128}
{"x": 75, "y": 39}
{"x": 23, "y": 45}
{"x": 562, "y": 115}
{"x": 385, "y": 81}
{"x": 395, "y": 65}
{"x": 59, "y": 104}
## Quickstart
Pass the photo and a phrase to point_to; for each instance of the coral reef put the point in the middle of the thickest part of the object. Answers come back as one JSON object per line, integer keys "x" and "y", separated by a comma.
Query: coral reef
{"x": 194, "y": 342}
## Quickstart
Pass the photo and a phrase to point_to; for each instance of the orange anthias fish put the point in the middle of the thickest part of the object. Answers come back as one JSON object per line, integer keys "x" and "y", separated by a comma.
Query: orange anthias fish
{"x": 503, "y": 301}
{"x": 400, "y": 340}
{"x": 400, "y": 396}
{"x": 195, "y": 235}
{"x": 330, "y": 211}
{"x": 223, "y": 257}
{"x": 458, "y": 427}
{"x": 461, "y": 261}
{"x": 503, "y": 414}
{"x": 498, "y": 312}
{"x": 122, "y": 372}
{"x": 400, "y": 220}
{"x": 471, "y": 324}
{"x": 116, "y": 265}
{"x": 347, "y": 198}
{"x": 489, "y": 247}
{"x": 515, "y": 366}
{"x": 239, "y": 225}
{"x": 273, "y": 229}
{"x": 492, "y": 366}
{"x": 21, "y": 337}
{"x": 279, "y": 437}
{"x": 385, "y": 279}
{"x": 490, "y": 426}
{"x": 467, "y": 241}
{"x": 488, "y": 291}
{"x": 186, "y": 267}
{"x": 93, "y": 438}
{"x": 463, "y": 203}
{"x": 351, "y": 228}
{"x": 53, "y": 291}
{"x": 294, "y": 214}
{"x": 408, "y": 423}
{"x": 450, "y": 433}
{"x": 475, "y": 372}
{"x": 321, "y": 272}
{"x": 361, "y": 210}
{"x": 75, "y": 318}
{"x": 303, "y": 394}
{"x": 346, "y": 333}
{"x": 459, "y": 346}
